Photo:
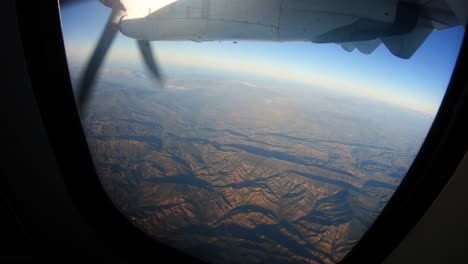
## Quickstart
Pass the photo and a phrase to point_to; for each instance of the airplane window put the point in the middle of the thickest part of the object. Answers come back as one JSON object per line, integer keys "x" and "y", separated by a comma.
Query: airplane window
{"x": 257, "y": 131}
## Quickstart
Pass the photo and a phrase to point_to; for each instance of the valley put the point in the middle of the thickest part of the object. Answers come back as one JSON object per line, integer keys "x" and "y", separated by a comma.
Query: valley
{"x": 237, "y": 173}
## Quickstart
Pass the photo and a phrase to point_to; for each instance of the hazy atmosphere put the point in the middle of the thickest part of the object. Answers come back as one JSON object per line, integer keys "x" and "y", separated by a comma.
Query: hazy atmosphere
{"x": 256, "y": 152}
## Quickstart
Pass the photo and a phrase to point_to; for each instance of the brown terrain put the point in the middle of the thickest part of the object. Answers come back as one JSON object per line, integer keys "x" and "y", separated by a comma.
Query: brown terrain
{"x": 236, "y": 172}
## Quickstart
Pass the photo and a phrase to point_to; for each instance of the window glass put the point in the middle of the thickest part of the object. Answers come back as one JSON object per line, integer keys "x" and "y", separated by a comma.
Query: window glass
{"x": 252, "y": 151}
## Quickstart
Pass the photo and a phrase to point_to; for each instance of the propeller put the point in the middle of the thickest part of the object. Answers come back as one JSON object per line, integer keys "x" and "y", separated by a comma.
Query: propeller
{"x": 148, "y": 58}
{"x": 88, "y": 77}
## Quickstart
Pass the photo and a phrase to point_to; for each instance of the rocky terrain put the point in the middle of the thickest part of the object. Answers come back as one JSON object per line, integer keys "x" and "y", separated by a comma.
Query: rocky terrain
{"x": 239, "y": 172}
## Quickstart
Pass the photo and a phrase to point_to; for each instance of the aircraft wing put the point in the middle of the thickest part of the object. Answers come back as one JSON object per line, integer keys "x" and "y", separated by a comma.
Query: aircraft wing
{"x": 401, "y": 25}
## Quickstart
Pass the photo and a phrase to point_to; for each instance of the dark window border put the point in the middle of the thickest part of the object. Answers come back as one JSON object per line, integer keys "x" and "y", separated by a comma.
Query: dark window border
{"x": 40, "y": 26}
{"x": 44, "y": 51}
{"x": 439, "y": 156}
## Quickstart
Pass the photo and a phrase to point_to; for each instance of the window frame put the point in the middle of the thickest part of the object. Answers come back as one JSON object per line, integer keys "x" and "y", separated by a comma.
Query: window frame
{"x": 41, "y": 34}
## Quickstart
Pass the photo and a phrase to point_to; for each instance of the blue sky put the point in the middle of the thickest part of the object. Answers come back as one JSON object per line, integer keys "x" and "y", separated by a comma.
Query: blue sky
{"x": 418, "y": 83}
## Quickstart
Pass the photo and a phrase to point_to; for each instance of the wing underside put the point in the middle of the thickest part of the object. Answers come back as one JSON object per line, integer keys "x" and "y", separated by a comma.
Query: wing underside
{"x": 402, "y": 26}
{"x": 433, "y": 15}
